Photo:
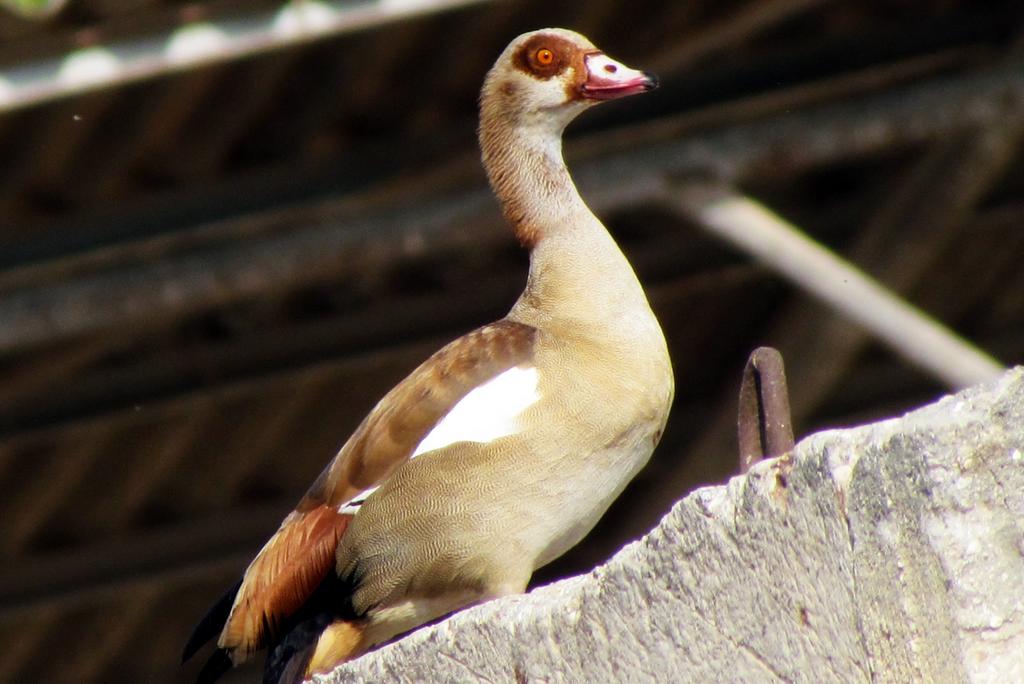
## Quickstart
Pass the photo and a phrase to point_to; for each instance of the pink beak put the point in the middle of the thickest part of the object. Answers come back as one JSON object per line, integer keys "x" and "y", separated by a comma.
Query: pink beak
{"x": 608, "y": 79}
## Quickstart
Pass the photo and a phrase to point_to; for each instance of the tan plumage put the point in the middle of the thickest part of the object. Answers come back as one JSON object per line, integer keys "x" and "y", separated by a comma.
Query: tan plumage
{"x": 472, "y": 520}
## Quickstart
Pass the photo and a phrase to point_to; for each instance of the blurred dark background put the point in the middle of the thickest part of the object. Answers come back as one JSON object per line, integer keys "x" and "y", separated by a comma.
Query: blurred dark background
{"x": 210, "y": 270}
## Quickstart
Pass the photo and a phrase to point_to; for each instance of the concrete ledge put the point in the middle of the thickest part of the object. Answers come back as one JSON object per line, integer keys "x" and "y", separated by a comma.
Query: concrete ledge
{"x": 892, "y": 552}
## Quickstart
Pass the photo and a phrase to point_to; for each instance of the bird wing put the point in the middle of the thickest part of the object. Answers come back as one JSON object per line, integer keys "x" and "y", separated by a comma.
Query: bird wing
{"x": 300, "y": 554}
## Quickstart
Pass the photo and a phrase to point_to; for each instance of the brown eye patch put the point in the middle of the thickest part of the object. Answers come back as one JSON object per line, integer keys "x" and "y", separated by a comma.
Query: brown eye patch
{"x": 545, "y": 56}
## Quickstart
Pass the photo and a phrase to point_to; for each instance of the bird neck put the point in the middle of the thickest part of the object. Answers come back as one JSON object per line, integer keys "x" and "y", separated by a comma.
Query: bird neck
{"x": 528, "y": 175}
{"x": 577, "y": 272}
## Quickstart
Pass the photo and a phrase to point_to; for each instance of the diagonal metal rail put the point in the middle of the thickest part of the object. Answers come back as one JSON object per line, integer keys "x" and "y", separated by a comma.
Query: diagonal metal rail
{"x": 197, "y": 43}
{"x": 297, "y": 246}
{"x": 908, "y": 331}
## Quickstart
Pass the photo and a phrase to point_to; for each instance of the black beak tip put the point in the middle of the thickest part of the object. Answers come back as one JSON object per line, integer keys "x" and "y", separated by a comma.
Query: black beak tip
{"x": 652, "y": 81}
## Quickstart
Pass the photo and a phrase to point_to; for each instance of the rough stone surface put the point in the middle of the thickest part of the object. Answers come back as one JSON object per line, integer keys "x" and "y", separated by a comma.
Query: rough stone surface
{"x": 892, "y": 552}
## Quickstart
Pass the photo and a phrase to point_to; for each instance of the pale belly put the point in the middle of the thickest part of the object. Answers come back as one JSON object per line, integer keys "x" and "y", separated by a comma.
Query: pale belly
{"x": 576, "y": 505}
{"x": 472, "y": 522}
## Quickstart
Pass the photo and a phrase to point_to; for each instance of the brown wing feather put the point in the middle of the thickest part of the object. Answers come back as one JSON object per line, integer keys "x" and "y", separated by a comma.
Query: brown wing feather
{"x": 291, "y": 565}
{"x": 297, "y": 558}
{"x": 400, "y": 421}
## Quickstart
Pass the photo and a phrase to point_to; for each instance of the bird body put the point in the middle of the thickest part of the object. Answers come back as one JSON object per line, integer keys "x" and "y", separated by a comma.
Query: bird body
{"x": 503, "y": 449}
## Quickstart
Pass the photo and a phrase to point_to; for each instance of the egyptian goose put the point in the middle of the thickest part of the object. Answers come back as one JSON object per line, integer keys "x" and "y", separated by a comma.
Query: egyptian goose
{"x": 503, "y": 449}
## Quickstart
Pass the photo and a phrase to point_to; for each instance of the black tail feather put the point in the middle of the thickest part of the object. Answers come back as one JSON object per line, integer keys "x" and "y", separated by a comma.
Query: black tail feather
{"x": 210, "y": 626}
{"x": 215, "y": 667}
{"x": 291, "y": 652}
{"x": 287, "y": 660}
{"x": 294, "y": 671}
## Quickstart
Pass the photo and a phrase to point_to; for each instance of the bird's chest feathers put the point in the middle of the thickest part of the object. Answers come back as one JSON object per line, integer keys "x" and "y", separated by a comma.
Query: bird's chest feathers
{"x": 571, "y": 505}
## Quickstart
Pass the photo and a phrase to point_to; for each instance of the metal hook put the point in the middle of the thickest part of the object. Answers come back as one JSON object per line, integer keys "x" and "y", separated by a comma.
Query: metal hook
{"x": 765, "y": 425}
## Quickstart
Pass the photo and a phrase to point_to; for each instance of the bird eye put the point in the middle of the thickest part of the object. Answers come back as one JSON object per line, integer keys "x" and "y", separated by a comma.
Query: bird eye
{"x": 544, "y": 56}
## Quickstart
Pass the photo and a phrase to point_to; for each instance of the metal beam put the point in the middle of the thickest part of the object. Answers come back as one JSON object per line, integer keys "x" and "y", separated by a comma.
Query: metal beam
{"x": 920, "y": 218}
{"x": 740, "y": 25}
{"x": 192, "y": 44}
{"x": 926, "y": 213}
{"x": 909, "y": 332}
{"x": 182, "y": 553}
{"x": 287, "y": 249}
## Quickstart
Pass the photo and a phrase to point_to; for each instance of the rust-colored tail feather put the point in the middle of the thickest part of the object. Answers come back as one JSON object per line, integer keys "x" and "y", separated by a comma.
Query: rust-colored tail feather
{"x": 271, "y": 597}
{"x": 283, "y": 577}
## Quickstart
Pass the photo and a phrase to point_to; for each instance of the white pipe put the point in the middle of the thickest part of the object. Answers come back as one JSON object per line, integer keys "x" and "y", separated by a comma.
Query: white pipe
{"x": 199, "y": 43}
{"x": 783, "y": 247}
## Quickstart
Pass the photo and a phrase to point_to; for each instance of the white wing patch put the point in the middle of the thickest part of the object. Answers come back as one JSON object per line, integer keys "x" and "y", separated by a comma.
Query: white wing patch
{"x": 490, "y": 411}
{"x": 487, "y": 413}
